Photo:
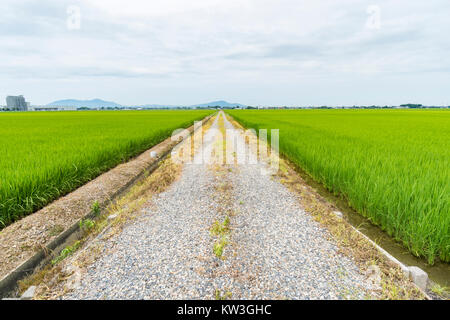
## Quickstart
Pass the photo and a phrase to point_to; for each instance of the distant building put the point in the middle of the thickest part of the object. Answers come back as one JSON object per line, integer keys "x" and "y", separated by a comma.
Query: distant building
{"x": 17, "y": 103}
{"x": 45, "y": 109}
{"x": 51, "y": 108}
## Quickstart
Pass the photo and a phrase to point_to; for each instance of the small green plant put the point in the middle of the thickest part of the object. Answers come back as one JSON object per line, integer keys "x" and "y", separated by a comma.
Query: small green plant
{"x": 86, "y": 224}
{"x": 226, "y": 222}
{"x": 390, "y": 290}
{"x": 96, "y": 208}
{"x": 219, "y": 296}
{"x": 218, "y": 229}
{"x": 439, "y": 290}
{"x": 66, "y": 252}
{"x": 219, "y": 246}
{"x": 221, "y": 230}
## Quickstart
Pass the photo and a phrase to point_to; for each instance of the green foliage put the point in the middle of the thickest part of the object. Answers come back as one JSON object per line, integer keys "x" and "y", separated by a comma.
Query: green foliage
{"x": 86, "y": 224}
{"x": 219, "y": 229}
{"x": 45, "y": 155}
{"x": 66, "y": 252}
{"x": 219, "y": 246}
{"x": 439, "y": 290}
{"x": 226, "y": 222}
{"x": 393, "y": 166}
{"x": 96, "y": 208}
{"x": 227, "y": 295}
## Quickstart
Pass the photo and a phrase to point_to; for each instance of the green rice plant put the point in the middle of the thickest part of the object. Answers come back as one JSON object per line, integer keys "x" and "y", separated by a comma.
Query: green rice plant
{"x": 392, "y": 166}
{"x": 45, "y": 155}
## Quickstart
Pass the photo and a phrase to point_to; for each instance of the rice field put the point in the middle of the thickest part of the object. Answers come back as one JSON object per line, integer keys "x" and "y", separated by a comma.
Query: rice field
{"x": 392, "y": 166}
{"x": 45, "y": 155}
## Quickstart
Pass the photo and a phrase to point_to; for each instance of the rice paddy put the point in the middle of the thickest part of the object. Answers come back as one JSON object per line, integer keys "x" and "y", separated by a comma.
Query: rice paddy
{"x": 392, "y": 166}
{"x": 45, "y": 155}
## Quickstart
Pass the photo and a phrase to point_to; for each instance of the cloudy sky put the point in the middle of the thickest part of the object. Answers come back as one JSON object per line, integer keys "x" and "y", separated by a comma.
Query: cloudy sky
{"x": 257, "y": 52}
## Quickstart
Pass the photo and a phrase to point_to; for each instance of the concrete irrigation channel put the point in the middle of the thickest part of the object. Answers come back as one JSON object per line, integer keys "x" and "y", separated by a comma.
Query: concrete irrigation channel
{"x": 222, "y": 230}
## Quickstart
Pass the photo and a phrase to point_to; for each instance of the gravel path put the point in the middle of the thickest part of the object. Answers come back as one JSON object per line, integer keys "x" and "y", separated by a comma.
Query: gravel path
{"x": 275, "y": 249}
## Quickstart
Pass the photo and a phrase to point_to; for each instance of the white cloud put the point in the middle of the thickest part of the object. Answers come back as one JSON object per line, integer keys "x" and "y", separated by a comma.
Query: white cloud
{"x": 177, "y": 51}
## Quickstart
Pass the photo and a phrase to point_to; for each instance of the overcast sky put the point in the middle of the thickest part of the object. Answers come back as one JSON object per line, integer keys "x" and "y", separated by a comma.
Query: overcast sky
{"x": 257, "y": 52}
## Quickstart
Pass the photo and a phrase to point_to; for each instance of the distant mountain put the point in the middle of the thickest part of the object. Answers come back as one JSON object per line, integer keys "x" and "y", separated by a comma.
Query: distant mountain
{"x": 219, "y": 103}
{"x": 159, "y": 106}
{"x": 98, "y": 103}
{"x": 94, "y": 103}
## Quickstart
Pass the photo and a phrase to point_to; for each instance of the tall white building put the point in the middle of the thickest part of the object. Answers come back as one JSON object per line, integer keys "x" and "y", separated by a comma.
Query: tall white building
{"x": 17, "y": 103}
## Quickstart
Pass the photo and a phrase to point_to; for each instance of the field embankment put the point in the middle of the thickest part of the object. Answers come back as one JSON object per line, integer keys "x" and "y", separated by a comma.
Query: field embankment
{"x": 46, "y": 155}
{"x": 393, "y": 166}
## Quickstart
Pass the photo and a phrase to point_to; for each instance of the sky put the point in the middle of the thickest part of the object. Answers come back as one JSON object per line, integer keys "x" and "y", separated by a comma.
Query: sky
{"x": 255, "y": 52}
